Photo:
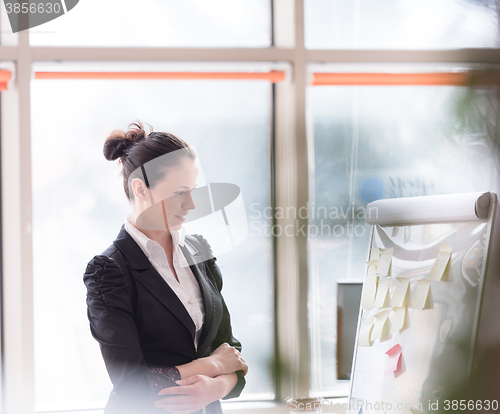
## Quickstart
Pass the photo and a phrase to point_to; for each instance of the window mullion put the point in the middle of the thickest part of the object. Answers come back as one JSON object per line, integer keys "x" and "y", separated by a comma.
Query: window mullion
{"x": 18, "y": 323}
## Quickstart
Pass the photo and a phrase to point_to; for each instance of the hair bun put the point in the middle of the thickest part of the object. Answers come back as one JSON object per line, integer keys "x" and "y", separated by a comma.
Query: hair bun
{"x": 118, "y": 142}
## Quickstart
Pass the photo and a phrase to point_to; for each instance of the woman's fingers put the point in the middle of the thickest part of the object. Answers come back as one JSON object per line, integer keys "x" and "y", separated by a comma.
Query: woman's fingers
{"x": 183, "y": 387}
{"x": 174, "y": 399}
{"x": 245, "y": 368}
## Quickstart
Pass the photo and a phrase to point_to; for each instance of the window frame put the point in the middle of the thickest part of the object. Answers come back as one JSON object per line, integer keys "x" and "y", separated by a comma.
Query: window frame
{"x": 289, "y": 166}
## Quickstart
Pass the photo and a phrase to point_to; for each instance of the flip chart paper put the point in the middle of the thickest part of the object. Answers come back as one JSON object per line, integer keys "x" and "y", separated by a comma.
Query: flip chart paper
{"x": 380, "y": 325}
{"x": 399, "y": 298}
{"x": 365, "y": 331}
{"x": 398, "y": 319}
{"x": 442, "y": 259}
{"x": 385, "y": 261}
{"x": 382, "y": 293}
{"x": 394, "y": 362}
{"x": 369, "y": 292}
{"x": 379, "y": 407}
{"x": 421, "y": 294}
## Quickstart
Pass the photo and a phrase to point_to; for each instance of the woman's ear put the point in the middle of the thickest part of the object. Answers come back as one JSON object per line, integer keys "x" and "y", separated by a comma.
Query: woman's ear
{"x": 139, "y": 189}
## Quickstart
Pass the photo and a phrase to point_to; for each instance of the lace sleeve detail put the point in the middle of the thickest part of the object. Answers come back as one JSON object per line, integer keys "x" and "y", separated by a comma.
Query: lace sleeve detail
{"x": 162, "y": 377}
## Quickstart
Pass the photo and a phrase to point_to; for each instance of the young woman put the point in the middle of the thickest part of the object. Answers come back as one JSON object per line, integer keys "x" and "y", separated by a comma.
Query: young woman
{"x": 154, "y": 295}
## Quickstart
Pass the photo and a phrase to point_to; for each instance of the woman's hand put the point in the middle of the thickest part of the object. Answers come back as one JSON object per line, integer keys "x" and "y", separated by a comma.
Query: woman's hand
{"x": 193, "y": 394}
{"x": 227, "y": 359}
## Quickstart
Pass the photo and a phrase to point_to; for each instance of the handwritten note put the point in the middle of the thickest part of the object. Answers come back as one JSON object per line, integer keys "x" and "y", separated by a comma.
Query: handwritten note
{"x": 369, "y": 292}
{"x": 398, "y": 319}
{"x": 399, "y": 297}
{"x": 382, "y": 293}
{"x": 421, "y": 294}
{"x": 442, "y": 259}
{"x": 380, "y": 325}
{"x": 394, "y": 362}
{"x": 385, "y": 261}
{"x": 365, "y": 331}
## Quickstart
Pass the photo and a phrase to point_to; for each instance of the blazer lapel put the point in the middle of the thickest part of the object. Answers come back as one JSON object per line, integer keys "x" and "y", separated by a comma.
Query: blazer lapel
{"x": 148, "y": 276}
{"x": 207, "y": 291}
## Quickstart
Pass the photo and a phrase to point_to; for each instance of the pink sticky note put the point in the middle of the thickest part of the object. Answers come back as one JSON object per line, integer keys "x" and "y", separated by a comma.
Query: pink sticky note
{"x": 394, "y": 363}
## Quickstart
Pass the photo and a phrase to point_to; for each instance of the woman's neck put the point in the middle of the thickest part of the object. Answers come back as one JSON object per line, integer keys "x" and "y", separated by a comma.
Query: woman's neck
{"x": 162, "y": 237}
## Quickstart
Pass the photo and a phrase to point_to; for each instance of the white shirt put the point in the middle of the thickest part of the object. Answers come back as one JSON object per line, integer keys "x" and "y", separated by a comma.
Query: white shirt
{"x": 187, "y": 288}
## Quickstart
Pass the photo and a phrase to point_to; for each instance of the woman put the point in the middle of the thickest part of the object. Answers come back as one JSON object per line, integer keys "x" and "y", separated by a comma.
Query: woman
{"x": 153, "y": 296}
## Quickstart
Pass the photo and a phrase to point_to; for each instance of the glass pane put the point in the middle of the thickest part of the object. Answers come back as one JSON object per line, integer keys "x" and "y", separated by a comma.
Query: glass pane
{"x": 79, "y": 206}
{"x": 157, "y": 23}
{"x": 401, "y": 24}
{"x": 373, "y": 142}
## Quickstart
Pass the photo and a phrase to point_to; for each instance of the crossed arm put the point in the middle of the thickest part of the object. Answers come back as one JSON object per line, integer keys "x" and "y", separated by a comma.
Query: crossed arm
{"x": 112, "y": 324}
{"x": 203, "y": 380}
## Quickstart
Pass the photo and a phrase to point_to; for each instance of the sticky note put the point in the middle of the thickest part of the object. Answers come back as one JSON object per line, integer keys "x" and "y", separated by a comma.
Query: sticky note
{"x": 369, "y": 292}
{"x": 385, "y": 261}
{"x": 380, "y": 325}
{"x": 421, "y": 294}
{"x": 375, "y": 254}
{"x": 398, "y": 319}
{"x": 442, "y": 259}
{"x": 414, "y": 411}
{"x": 382, "y": 293}
{"x": 365, "y": 331}
{"x": 372, "y": 268}
{"x": 401, "y": 292}
{"x": 394, "y": 362}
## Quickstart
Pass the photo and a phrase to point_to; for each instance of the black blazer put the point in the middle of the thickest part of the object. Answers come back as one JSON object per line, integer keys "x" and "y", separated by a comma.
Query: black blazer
{"x": 141, "y": 324}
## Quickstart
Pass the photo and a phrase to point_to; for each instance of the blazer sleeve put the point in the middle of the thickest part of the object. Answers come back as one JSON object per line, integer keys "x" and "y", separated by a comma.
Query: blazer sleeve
{"x": 224, "y": 334}
{"x": 110, "y": 311}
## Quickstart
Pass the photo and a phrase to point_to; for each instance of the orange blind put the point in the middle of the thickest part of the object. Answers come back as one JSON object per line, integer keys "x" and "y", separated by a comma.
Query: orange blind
{"x": 5, "y": 77}
{"x": 272, "y": 76}
{"x": 454, "y": 79}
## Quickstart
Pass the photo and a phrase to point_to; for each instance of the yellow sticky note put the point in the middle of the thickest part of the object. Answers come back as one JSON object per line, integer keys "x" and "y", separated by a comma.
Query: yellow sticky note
{"x": 380, "y": 325}
{"x": 442, "y": 259}
{"x": 398, "y": 319}
{"x": 375, "y": 254}
{"x": 372, "y": 268}
{"x": 365, "y": 331}
{"x": 382, "y": 293}
{"x": 399, "y": 297}
{"x": 369, "y": 292}
{"x": 385, "y": 261}
{"x": 421, "y": 294}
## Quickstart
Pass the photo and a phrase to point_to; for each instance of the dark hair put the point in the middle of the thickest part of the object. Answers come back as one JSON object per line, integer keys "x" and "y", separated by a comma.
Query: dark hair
{"x": 135, "y": 148}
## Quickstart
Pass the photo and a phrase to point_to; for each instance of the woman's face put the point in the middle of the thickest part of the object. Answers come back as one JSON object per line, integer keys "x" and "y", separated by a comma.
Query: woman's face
{"x": 172, "y": 198}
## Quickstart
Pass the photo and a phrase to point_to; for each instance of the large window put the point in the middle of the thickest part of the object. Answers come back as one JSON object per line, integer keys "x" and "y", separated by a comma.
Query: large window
{"x": 404, "y": 24}
{"x": 161, "y": 23}
{"x": 373, "y": 142}
{"x": 79, "y": 205}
